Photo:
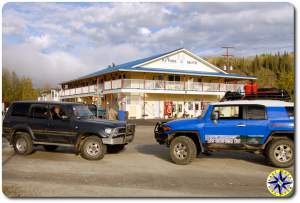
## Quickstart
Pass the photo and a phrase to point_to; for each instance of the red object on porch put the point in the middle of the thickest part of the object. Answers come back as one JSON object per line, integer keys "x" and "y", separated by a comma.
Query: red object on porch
{"x": 168, "y": 108}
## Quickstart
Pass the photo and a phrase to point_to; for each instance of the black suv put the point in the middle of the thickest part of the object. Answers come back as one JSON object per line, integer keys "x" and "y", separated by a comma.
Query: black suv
{"x": 54, "y": 124}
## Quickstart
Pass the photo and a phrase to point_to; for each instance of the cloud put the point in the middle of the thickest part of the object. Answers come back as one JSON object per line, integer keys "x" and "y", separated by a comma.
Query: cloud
{"x": 75, "y": 38}
{"x": 145, "y": 31}
{"x": 41, "y": 42}
{"x": 27, "y": 60}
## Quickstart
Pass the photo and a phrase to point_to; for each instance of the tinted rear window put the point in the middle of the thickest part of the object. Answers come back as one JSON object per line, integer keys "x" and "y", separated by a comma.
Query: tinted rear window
{"x": 256, "y": 113}
{"x": 39, "y": 111}
{"x": 20, "y": 109}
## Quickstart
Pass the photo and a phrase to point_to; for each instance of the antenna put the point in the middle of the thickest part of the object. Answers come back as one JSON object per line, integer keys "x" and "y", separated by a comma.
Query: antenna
{"x": 227, "y": 55}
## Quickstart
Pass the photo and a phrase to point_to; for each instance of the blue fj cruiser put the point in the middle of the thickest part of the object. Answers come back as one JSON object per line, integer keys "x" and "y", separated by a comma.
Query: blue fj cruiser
{"x": 260, "y": 126}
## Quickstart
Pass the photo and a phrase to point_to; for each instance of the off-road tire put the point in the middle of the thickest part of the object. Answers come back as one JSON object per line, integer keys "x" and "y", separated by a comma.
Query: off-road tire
{"x": 115, "y": 148}
{"x": 189, "y": 147}
{"x": 92, "y": 148}
{"x": 50, "y": 148}
{"x": 271, "y": 154}
{"x": 22, "y": 143}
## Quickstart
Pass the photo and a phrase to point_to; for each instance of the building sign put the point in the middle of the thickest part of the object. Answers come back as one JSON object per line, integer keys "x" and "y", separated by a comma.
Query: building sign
{"x": 172, "y": 60}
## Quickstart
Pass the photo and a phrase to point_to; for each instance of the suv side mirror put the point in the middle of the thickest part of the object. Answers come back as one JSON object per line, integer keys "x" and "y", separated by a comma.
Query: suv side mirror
{"x": 215, "y": 116}
{"x": 64, "y": 117}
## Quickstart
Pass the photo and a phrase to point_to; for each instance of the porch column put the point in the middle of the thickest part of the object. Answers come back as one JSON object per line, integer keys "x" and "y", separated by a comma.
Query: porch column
{"x": 104, "y": 99}
{"x": 144, "y": 97}
{"x": 97, "y": 92}
{"x": 111, "y": 96}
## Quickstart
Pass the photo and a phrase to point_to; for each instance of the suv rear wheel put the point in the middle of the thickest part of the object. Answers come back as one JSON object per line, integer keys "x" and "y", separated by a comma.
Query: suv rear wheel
{"x": 92, "y": 148}
{"x": 23, "y": 143}
{"x": 281, "y": 153}
{"x": 182, "y": 150}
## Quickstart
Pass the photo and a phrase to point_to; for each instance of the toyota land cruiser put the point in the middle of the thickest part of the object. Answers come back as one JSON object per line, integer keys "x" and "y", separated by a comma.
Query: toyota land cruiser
{"x": 54, "y": 124}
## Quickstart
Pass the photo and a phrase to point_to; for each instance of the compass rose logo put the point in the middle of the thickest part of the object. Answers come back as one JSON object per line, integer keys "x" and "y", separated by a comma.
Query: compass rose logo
{"x": 280, "y": 182}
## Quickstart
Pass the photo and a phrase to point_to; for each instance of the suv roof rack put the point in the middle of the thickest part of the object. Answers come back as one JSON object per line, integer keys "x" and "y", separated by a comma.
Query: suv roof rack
{"x": 262, "y": 93}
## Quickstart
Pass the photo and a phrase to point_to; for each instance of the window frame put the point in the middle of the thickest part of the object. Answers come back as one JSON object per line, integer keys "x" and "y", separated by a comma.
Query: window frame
{"x": 64, "y": 108}
{"x": 241, "y": 107}
{"x": 37, "y": 105}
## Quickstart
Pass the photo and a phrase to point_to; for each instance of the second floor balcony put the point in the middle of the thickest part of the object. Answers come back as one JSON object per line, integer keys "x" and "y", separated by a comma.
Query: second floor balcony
{"x": 141, "y": 84}
{"x": 156, "y": 86}
{"x": 85, "y": 90}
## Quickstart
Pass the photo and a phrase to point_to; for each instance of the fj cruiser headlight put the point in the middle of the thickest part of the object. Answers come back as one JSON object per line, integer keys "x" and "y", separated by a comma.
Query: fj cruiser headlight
{"x": 108, "y": 130}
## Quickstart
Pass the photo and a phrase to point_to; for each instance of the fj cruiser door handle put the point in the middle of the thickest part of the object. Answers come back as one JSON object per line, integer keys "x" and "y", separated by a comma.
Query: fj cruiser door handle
{"x": 241, "y": 125}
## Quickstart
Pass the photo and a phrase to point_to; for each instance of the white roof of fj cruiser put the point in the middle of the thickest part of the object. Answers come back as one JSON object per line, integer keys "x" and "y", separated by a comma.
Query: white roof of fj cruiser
{"x": 269, "y": 103}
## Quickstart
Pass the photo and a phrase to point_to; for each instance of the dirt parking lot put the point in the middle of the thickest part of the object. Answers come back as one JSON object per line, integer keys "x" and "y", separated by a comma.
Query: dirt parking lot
{"x": 142, "y": 170}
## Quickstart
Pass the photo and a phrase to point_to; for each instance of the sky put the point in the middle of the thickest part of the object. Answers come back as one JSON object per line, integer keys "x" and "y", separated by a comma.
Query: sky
{"x": 55, "y": 42}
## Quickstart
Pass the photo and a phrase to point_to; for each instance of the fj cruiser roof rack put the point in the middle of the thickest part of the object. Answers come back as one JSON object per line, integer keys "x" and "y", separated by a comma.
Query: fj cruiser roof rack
{"x": 262, "y": 93}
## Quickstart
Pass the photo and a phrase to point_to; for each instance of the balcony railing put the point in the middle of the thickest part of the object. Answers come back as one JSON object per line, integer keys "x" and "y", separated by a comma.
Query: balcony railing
{"x": 170, "y": 85}
{"x": 92, "y": 89}
{"x": 152, "y": 85}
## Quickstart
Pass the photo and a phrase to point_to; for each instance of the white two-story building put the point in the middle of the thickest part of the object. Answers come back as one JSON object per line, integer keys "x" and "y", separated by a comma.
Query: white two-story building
{"x": 173, "y": 84}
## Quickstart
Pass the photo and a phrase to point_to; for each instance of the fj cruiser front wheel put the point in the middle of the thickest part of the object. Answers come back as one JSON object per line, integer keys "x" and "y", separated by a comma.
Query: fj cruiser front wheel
{"x": 182, "y": 150}
{"x": 92, "y": 148}
{"x": 22, "y": 143}
{"x": 281, "y": 153}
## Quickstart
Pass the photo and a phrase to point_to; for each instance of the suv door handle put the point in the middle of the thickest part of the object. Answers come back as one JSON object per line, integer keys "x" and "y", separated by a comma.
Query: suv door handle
{"x": 241, "y": 125}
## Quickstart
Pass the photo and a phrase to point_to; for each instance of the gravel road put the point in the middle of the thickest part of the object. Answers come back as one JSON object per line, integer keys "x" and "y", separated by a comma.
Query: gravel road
{"x": 143, "y": 169}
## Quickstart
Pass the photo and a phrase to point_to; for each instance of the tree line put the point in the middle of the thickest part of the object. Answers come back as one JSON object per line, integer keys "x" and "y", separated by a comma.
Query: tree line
{"x": 272, "y": 70}
{"x": 16, "y": 88}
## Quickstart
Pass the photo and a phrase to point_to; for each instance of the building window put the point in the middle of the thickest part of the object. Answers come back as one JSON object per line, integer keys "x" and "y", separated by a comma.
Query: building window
{"x": 179, "y": 108}
{"x": 197, "y": 106}
{"x": 174, "y": 77}
{"x": 190, "y": 106}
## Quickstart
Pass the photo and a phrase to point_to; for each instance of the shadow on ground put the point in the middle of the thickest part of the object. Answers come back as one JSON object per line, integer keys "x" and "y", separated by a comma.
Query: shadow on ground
{"x": 238, "y": 155}
{"x": 157, "y": 150}
{"x": 162, "y": 152}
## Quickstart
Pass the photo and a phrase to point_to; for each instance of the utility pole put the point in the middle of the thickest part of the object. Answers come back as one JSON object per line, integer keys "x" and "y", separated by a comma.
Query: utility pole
{"x": 227, "y": 55}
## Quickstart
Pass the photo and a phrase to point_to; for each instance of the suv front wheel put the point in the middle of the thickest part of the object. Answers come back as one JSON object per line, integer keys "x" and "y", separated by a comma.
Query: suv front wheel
{"x": 182, "y": 150}
{"x": 92, "y": 148}
{"x": 281, "y": 153}
{"x": 22, "y": 143}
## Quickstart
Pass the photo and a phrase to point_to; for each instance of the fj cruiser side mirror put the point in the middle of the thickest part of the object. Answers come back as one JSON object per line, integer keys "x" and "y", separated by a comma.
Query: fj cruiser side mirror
{"x": 215, "y": 116}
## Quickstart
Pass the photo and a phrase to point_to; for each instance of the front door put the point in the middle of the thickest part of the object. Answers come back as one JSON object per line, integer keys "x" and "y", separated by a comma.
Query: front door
{"x": 61, "y": 128}
{"x": 229, "y": 128}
